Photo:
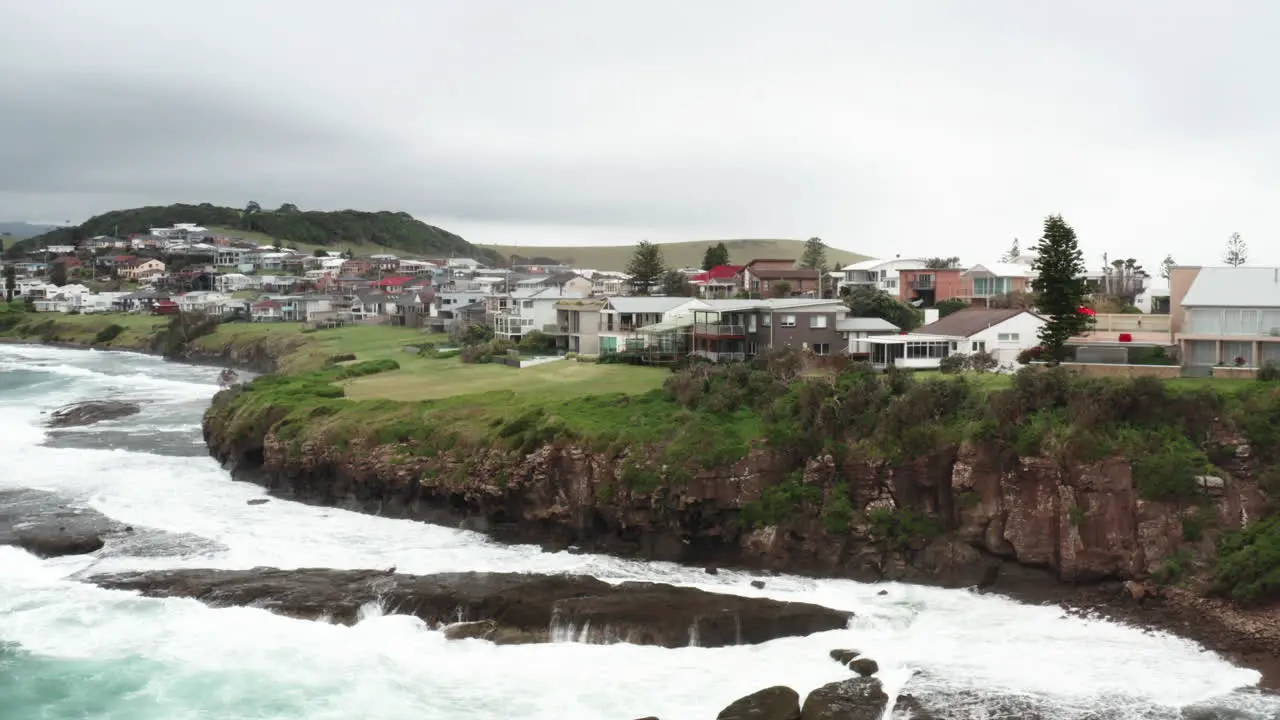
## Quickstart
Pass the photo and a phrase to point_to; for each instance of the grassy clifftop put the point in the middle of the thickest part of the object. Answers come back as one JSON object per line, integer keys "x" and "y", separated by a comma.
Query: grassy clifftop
{"x": 288, "y": 225}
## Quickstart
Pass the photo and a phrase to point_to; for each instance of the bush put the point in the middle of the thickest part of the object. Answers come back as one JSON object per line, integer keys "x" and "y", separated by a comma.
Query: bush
{"x": 781, "y": 501}
{"x": 953, "y": 364}
{"x": 1269, "y": 372}
{"x": 1030, "y": 355}
{"x": 107, "y": 334}
{"x": 486, "y": 351}
{"x": 368, "y": 367}
{"x": 1166, "y": 470}
{"x": 983, "y": 362}
{"x": 901, "y": 528}
{"x": 537, "y": 342}
{"x": 1248, "y": 569}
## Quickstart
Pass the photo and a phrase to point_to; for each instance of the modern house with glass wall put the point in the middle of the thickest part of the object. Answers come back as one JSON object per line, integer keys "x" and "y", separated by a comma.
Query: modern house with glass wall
{"x": 1226, "y": 315}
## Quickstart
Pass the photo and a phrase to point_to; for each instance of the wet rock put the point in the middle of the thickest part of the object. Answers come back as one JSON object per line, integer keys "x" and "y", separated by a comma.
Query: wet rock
{"x": 90, "y": 412}
{"x": 951, "y": 562}
{"x": 258, "y": 501}
{"x": 866, "y": 667}
{"x": 524, "y": 607}
{"x": 44, "y": 524}
{"x": 713, "y": 571}
{"x": 757, "y": 584}
{"x": 907, "y": 707}
{"x": 844, "y": 657}
{"x": 883, "y": 592}
{"x": 479, "y": 630}
{"x": 856, "y": 699}
{"x": 775, "y": 703}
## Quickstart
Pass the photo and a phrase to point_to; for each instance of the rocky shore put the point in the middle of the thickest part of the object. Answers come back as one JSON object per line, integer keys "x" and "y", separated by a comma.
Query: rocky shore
{"x": 505, "y": 608}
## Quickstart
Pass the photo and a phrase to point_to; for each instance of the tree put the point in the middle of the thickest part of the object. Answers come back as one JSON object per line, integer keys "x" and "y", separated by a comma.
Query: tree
{"x": 1123, "y": 279}
{"x": 646, "y": 267}
{"x": 1237, "y": 252}
{"x": 942, "y": 263}
{"x": 715, "y": 256}
{"x": 864, "y": 301}
{"x": 319, "y": 253}
{"x": 10, "y": 281}
{"x": 950, "y": 305}
{"x": 1012, "y": 254}
{"x": 1166, "y": 266}
{"x": 1060, "y": 287}
{"x": 781, "y": 289}
{"x": 288, "y": 209}
{"x": 676, "y": 283}
{"x": 814, "y": 256}
{"x": 349, "y": 254}
{"x": 58, "y": 274}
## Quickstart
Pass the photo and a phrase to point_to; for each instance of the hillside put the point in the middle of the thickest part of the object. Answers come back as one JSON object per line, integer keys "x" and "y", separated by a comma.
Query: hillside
{"x": 13, "y": 229}
{"x": 338, "y": 230}
{"x": 679, "y": 254}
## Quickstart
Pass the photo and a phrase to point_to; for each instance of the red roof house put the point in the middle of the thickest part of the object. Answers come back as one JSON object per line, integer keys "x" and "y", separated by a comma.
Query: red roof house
{"x": 392, "y": 284}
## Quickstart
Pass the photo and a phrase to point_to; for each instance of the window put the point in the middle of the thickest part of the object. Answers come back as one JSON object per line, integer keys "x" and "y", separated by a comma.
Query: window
{"x": 751, "y": 323}
{"x": 752, "y": 348}
{"x": 978, "y": 346}
{"x": 788, "y": 321}
{"x": 817, "y": 322}
{"x": 528, "y": 304}
{"x": 1008, "y": 337}
{"x": 766, "y": 319}
{"x": 822, "y": 348}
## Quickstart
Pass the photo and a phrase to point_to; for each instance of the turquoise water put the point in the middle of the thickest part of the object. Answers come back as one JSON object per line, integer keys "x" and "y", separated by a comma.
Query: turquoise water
{"x": 71, "y": 651}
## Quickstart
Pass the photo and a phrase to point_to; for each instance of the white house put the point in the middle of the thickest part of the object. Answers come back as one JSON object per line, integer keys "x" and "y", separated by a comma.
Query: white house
{"x": 206, "y": 301}
{"x": 1001, "y": 332}
{"x": 879, "y": 274}
{"x": 95, "y": 302}
{"x": 622, "y": 316}
{"x": 855, "y": 330}
{"x": 462, "y": 264}
{"x": 1227, "y": 316}
{"x": 529, "y": 310}
{"x": 234, "y": 282}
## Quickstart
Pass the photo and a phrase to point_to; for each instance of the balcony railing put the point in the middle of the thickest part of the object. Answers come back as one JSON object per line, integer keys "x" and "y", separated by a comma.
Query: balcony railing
{"x": 718, "y": 329}
{"x": 554, "y": 329}
{"x": 721, "y": 356}
{"x": 922, "y": 284}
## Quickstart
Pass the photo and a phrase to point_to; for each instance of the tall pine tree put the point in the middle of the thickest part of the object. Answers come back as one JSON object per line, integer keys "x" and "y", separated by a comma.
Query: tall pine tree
{"x": 1060, "y": 287}
{"x": 646, "y": 267}
{"x": 815, "y": 255}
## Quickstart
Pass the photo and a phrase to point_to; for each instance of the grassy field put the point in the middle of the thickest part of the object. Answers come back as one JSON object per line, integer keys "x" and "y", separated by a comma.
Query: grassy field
{"x": 681, "y": 254}
{"x": 425, "y": 379}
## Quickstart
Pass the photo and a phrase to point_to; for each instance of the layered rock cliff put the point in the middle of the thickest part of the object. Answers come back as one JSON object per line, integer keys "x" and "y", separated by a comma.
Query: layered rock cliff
{"x": 954, "y": 518}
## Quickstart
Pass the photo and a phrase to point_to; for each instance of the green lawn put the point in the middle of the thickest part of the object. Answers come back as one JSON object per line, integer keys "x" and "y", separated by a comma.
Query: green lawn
{"x": 303, "y": 350}
{"x": 424, "y": 379}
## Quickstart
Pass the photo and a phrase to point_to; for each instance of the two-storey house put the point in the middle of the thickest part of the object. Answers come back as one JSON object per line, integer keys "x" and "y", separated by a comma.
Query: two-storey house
{"x": 878, "y": 274}
{"x": 524, "y": 311}
{"x": 924, "y": 287}
{"x": 577, "y": 326}
{"x": 1226, "y": 315}
{"x": 622, "y": 317}
{"x": 733, "y": 330}
{"x": 981, "y": 283}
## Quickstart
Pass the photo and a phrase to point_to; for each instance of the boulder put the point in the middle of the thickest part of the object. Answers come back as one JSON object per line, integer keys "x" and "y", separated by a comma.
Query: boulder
{"x": 856, "y": 699}
{"x": 775, "y": 703}
{"x": 844, "y": 657}
{"x": 258, "y": 501}
{"x": 480, "y": 629}
{"x": 866, "y": 667}
{"x": 523, "y": 608}
{"x": 906, "y": 707}
{"x": 757, "y": 584}
{"x": 90, "y": 412}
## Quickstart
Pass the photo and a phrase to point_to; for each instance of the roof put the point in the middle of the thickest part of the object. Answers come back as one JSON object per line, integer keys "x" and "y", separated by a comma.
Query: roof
{"x": 969, "y": 321}
{"x": 1235, "y": 287}
{"x": 1002, "y": 269}
{"x": 392, "y": 282}
{"x": 873, "y": 264}
{"x": 865, "y": 324}
{"x": 768, "y": 303}
{"x": 719, "y": 272}
{"x": 583, "y": 304}
{"x": 646, "y": 304}
{"x": 798, "y": 274}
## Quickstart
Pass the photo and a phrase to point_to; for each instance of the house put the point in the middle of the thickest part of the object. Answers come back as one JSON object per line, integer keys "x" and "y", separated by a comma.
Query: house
{"x": 768, "y": 278}
{"x": 415, "y": 307}
{"x": 140, "y": 269}
{"x": 606, "y": 282}
{"x": 1004, "y": 333}
{"x": 980, "y": 283}
{"x": 577, "y": 326}
{"x": 142, "y": 301}
{"x": 621, "y": 317}
{"x": 266, "y": 311}
{"x": 306, "y": 308}
{"x": 235, "y": 282}
{"x": 731, "y": 330}
{"x": 524, "y": 311}
{"x": 368, "y": 303}
{"x": 416, "y": 267}
{"x": 856, "y": 329}
{"x": 720, "y": 282}
{"x": 228, "y": 256}
{"x": 92, "y": 302}
{"x": 384, "y": 262}
{"x": 878, "y": 274}
{"x": 569, "y": 283}
{"x": 393, "y": 285}
{"x": 924, "y": 287}
{"x": 60, "y": 250}
{"x": 1226, "y": 315}
{"x": 462, "y": 264}
{"x": 205, "y": 301}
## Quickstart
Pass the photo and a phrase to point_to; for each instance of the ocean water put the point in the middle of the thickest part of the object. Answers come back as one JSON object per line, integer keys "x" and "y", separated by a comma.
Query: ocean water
{"x": 69, "y": 650}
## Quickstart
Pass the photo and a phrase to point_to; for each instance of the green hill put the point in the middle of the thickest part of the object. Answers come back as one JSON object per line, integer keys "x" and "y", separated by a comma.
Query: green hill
{"x": 677, "y": 254}
{"x": 339, "y": 230}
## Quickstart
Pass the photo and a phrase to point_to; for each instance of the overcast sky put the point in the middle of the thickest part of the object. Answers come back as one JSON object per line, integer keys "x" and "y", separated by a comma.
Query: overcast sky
{"x": 918, "y": 127}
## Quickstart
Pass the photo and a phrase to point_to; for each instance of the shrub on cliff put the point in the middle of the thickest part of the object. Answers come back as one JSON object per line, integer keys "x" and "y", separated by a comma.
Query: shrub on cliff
{"x": 486, "y": 351}
{"x": 1248, "y": 569}
{"x": 368, "y": 367}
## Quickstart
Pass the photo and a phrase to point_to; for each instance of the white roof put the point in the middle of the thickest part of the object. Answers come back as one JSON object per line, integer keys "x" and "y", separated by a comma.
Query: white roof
{"x": 647, "y": 304}
{"x": 1003, "y": 269}
{"x": 771, "y": 303}
{"x": 865, "y": 324}
{"x": 1235, "y": 287}
{"x": 903, "y": 339}
{"x": 873, "y": 264}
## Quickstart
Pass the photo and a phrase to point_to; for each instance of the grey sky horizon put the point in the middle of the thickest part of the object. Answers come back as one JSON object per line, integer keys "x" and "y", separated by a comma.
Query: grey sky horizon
{"x": 916, "y": 129}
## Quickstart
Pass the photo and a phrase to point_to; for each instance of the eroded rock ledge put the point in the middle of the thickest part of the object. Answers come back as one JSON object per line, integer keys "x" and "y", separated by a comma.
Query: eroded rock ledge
{"x": 522, "y": 608}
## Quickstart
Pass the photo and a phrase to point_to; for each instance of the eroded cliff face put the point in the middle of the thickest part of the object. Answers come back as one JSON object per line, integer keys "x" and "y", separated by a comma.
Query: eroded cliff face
{"x": 972, "y": 512}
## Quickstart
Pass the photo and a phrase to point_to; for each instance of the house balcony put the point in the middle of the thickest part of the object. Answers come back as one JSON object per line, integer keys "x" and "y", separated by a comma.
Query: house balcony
{"x": 554, "y": 329}
{"x": 715, "y": 330}
{"x": 923, "y": 284}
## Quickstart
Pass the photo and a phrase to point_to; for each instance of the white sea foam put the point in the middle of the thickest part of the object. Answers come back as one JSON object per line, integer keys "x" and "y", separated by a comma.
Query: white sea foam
{"x": 247, "y": 663}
